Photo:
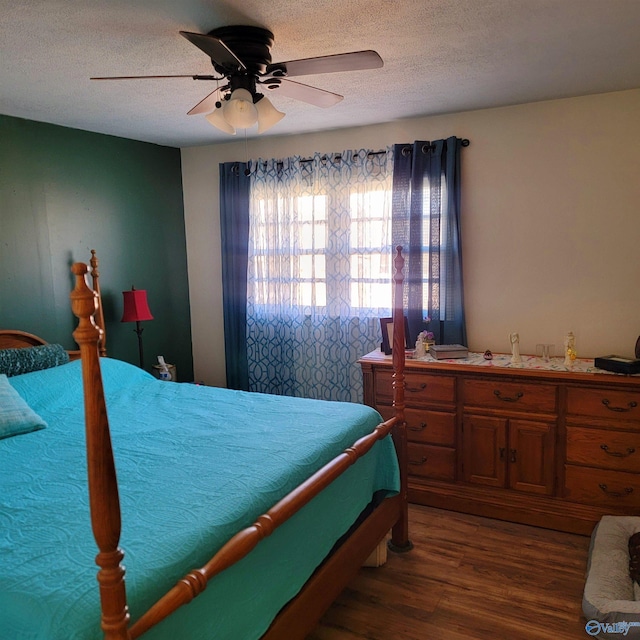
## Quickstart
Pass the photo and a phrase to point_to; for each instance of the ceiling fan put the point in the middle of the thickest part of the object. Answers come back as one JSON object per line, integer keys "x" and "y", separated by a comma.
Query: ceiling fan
{"x": 241, "y": 56}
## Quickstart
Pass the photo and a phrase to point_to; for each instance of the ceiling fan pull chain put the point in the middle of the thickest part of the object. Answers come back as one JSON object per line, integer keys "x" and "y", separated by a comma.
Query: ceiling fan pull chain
{"x": 247, "y": 171}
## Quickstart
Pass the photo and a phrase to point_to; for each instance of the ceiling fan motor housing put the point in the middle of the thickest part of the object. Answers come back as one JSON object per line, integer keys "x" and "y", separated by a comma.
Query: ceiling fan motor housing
{"x": 252, "y": 45}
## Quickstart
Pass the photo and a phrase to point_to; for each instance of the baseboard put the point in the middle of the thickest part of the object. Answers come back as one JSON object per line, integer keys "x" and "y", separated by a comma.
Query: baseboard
{"x": 512, "y": 506}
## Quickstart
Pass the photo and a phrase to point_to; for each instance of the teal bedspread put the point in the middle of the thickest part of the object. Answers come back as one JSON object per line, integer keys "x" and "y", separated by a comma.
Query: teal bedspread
{"x": 195, "y": 464}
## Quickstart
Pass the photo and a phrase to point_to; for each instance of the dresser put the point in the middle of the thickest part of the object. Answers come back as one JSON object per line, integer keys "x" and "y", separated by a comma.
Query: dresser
{"x": 536, "y": 444}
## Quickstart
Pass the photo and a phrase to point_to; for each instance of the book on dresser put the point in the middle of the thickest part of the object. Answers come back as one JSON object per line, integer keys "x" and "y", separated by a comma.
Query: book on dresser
{"x": 446, "y": 351}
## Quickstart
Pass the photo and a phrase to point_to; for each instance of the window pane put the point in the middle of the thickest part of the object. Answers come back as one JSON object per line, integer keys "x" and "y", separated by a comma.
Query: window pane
{"x": 322, "y": 239}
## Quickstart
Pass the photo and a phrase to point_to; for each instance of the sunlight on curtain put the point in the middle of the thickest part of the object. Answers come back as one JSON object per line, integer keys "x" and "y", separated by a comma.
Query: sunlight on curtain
{"x": 319, "y": 271}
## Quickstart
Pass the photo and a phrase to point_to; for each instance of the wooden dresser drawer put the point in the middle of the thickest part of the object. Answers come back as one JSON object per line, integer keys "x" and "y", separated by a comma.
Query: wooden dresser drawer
{"x": 603, "y": 448}
{"x": 425, "y": 426}
{"x": 603, "y": 403}
{"x": 611, "y": 489}
{"x": 420, "y": 389}
{"x": 437, "y": 463}
{"x": 511, "y": 396}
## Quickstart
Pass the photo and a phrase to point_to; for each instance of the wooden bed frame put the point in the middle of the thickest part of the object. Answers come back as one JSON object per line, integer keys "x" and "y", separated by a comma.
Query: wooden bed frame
{"x": 301, "y": 615}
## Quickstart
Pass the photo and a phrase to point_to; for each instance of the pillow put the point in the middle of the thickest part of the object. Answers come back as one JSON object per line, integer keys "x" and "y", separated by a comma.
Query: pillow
{"x": 634, "y": 558}
{"x": 14, "y": 362}
{"x": 16, "y": 416}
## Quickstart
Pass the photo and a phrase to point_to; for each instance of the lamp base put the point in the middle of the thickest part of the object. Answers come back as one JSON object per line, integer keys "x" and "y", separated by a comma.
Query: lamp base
{"x": 139, "y": 331}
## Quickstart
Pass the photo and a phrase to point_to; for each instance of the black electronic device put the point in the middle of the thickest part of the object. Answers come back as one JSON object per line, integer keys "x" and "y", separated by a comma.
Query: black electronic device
{"x": 618, "y": 364}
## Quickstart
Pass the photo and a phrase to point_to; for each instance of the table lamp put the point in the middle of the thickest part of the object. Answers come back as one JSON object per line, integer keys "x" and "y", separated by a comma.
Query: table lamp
{"x": 136, "y": 309}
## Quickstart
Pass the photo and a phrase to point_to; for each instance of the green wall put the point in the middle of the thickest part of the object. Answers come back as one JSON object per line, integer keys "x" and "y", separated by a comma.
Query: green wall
{"x": 64, "y": 192}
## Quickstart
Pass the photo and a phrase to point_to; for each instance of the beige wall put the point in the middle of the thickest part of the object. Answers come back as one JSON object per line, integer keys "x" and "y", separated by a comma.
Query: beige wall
{"x": 551, "y": 221}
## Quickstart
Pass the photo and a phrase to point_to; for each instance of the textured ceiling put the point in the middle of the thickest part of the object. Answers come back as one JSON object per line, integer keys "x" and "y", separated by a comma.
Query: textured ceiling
{"x": 440, "y": 56}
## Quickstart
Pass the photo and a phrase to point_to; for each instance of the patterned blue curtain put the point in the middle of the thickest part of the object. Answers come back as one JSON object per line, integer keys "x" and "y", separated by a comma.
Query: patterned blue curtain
{"x": 234, "y": 231}
{"x": 426, "y": 222}
{"x": 319, "y": 271}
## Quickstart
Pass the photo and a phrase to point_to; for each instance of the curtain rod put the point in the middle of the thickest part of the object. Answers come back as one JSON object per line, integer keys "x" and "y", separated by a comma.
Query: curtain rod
{"x": 465, "y": 143}
{"x": 339, "y": 157}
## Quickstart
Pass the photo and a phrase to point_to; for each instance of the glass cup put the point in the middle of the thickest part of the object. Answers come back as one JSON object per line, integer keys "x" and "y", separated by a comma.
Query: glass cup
{"x": 545, "y": 351}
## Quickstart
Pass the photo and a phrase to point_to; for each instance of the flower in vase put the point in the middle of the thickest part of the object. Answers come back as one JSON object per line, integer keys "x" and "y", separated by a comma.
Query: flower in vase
{"x": 426, "y": 337}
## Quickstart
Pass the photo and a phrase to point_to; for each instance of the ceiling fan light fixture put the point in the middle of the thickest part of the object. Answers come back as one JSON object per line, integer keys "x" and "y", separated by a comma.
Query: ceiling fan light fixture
{"x": 268, "y": 115}
{"x": 239, "y": 111}
{"x": 217, "y": 119}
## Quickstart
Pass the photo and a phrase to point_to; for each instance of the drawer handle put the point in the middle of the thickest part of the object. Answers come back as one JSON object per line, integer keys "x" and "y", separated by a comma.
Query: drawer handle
{"x": 616, "y": 494}
{"x": 418, "y": 462}
{"x": 502, "y": 450}
{"x": 517, "y": 397}
{"x": 617, "y": 454}
{"x": 630, "y": 405}
{"x": 422, "y": 387}
{"x": 423, "y": 425}
{"x": 513, "y": 455}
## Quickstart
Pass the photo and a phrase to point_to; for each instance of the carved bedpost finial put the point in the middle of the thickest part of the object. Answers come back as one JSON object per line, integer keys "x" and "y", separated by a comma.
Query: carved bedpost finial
{"x": 99, "y": 314}
{"x": 84, "y": 303}
{"x": 94, "y": 263}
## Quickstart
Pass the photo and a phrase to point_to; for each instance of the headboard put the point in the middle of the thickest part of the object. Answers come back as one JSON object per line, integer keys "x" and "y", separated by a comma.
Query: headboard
{"x": 15, "y": 339}
{"x": 11, "y": 339}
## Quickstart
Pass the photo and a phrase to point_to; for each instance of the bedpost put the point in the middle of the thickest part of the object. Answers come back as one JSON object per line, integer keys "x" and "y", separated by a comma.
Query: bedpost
{"x": 400, "y": 533}
{"x": 103, "y": 489}
{"x": 99, "y": 315}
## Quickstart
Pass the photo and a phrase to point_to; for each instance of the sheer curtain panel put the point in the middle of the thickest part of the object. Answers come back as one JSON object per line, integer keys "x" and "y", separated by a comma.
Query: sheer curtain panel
{"x": 319, "y": 271}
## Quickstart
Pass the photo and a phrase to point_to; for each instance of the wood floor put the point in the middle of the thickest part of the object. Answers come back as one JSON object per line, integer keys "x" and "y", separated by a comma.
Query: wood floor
{"x": 467, "y": 578}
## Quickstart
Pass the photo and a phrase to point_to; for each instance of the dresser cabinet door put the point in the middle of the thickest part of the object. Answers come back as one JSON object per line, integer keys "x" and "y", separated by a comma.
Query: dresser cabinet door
{"x": 531, "y": 456}
{"x": 509, "y": 452}
{"x": 484, "y": 449}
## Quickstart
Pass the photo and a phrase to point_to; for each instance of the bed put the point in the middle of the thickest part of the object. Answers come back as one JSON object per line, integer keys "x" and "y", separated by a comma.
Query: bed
{"x": 242, "y": 515}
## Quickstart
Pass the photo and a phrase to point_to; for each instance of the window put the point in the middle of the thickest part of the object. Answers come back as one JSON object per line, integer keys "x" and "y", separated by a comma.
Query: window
{"x": 315, "y": 244}
{"x": 312, "y": 241}
{"x": 371, "y": 253}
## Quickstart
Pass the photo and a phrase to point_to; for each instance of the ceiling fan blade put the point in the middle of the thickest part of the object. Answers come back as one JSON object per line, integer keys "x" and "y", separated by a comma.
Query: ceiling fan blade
{"x": 354, "y": 61}
{"x": 194, "y": 77}
{"x": 306, "y": 93}
{"x": 206, "y": 104}
{"x": 215, "y": 49}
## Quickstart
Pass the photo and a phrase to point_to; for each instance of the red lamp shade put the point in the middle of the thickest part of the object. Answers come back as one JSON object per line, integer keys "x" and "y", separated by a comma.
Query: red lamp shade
{"x": 136, "y": 307}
